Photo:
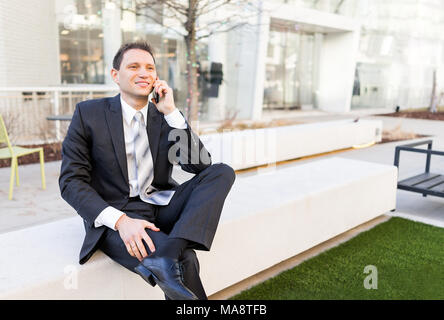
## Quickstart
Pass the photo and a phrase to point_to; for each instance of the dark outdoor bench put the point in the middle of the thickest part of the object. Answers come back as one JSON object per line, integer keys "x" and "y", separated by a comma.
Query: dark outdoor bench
{"x": 427, "y": 183}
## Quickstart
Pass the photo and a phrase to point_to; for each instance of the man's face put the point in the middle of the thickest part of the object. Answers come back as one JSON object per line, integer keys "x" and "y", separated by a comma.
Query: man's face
{"x": 137, "y": 73}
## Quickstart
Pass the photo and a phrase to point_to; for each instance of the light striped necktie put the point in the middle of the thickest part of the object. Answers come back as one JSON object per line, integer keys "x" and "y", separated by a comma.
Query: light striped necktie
{"x": 145, "y": 169}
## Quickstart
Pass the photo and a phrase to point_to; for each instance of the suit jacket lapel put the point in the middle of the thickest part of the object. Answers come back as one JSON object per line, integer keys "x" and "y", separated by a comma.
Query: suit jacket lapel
{"x": 154, "y": 125}
{"x": 114, "y": 119}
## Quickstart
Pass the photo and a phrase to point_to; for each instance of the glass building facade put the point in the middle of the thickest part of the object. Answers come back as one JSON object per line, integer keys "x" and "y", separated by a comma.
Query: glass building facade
{"x": 82, "y": 26}
{"x": 290, "y": 70}
{"x": 401, "y": 44}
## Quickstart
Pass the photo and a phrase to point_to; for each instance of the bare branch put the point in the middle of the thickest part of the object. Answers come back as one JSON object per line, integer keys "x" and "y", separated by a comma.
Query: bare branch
{"x": 171, "y": 4}
{"x": 140, "y": 9}
{"x": 182, "y": 13}
{"x": 156, "y": 20}
{"x": 201, "y": 11}
{"x": 230, "y": 29}
{"x": 159, "y": 11}
{"x": 338, "y": 6}
{"x": 206, "y": 4}
{"x": 174, "y": 15}
{"x": 226, "y": 21}
{"x": 220, "y": 31}
{"x": 175, "y": 5}
{"x": 241, "y": 16}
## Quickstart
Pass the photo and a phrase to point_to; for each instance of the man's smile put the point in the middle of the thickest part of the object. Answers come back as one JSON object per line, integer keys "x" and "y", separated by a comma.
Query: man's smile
{"x": 143, "y": 84}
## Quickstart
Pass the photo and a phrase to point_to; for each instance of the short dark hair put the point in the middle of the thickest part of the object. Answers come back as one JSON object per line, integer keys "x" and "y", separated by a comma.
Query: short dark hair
{"x": 142, "y": 45}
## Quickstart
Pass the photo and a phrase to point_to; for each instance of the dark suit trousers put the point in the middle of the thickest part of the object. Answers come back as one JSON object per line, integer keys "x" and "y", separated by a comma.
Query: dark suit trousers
{"x": 193, "y": 214}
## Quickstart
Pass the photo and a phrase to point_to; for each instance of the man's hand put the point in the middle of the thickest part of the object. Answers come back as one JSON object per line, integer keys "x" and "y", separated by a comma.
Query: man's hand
{"x": 132, "y": 231}
{"x": 166, "y": 100}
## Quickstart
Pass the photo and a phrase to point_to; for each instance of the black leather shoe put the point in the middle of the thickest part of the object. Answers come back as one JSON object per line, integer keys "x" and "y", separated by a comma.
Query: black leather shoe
{"x": 167, "y": 274}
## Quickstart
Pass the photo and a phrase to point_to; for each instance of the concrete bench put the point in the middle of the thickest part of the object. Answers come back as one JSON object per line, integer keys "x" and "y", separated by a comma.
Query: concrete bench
{"x": 267, "y": 218}
{"x": 254, "y": 147}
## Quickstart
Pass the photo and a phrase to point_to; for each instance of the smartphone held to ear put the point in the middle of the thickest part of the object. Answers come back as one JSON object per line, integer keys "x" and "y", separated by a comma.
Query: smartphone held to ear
{"x": 155, "y": 95}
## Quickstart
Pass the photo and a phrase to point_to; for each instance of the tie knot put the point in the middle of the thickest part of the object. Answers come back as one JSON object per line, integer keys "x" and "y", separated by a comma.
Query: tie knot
{"x": 139, "y": 117}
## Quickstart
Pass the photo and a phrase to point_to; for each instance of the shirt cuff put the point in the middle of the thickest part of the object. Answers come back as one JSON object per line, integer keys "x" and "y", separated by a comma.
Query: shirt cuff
{"x": 176, "y": 120}
{"x": 108, "y": 217}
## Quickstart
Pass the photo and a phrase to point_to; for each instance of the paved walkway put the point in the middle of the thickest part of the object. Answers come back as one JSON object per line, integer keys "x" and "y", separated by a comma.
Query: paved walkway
{"x": 32, "y": 205}
{"x": 409, "y": 205}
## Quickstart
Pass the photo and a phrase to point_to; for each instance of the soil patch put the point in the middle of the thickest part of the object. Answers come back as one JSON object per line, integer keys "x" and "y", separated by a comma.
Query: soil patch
{"x": 231, "y": 125}
{"x": 426, "y": 115}
{"x": 51, "y": 151}
{"x": 397, "y": 134}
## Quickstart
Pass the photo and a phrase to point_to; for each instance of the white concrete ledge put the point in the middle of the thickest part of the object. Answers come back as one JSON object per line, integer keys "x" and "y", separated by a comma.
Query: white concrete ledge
{"x": 255, "y": 147}
{"x": 267, "y": 218}
{"x": 292, "y": 210}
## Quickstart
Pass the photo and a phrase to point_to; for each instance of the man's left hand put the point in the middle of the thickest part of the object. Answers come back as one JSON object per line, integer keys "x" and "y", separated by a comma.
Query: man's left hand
{"x": 166, "y": 100}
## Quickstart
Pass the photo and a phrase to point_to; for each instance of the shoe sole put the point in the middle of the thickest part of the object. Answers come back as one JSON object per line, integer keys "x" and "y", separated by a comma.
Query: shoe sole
{"x": 146, "y": 274}
{"x": 149, "y": 277}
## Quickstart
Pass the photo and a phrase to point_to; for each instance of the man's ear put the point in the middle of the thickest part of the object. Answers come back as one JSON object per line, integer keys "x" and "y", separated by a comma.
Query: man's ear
{"x": 115, "y": 75}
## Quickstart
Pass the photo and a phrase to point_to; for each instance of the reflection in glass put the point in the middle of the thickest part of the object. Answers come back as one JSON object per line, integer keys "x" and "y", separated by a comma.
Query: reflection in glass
{"x": 401, "y": 44}
{"x": 81, "y": 43}
{"x": 289, "y": 67}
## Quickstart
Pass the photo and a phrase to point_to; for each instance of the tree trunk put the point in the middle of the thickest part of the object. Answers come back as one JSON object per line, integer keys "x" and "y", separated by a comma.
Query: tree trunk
{"x": 434, "y": 99}
{"x": 193, "y": 91}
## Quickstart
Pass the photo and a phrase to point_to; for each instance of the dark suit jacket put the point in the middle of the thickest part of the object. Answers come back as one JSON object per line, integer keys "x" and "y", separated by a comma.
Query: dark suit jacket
{"x": 94, "y": 173}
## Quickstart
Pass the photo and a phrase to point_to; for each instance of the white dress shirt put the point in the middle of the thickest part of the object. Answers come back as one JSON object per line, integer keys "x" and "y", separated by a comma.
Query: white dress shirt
{"x": 110, "y": 215}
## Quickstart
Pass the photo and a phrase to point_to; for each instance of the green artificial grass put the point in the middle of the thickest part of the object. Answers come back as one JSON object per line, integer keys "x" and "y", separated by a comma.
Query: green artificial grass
{"x": 409, "y": 257}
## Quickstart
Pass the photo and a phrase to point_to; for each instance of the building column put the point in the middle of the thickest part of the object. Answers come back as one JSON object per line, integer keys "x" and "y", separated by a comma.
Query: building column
{"x": 112, "y": 37}
{"x": 337, "y": 69}
{"x": 248, "y": 49}
{"x": 217, "y": 52}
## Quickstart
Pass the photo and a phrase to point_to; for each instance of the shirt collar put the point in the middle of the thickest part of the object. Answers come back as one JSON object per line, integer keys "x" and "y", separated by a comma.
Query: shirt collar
{"x": 128, "y": 112}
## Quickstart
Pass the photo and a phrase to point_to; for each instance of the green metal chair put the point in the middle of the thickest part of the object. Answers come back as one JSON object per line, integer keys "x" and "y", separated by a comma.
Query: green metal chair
{"x": 13, "y": 153}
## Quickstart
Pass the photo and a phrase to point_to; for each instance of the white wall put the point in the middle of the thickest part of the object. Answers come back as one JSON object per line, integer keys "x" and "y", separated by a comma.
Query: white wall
{"x": 217, "y": 52}
{"x": 336, "y": 70}
{"x": 112, "y": 37}
{"x": 247, "y": 47}
{"x": 28, "y": 43}
{"x": 337, "y": 60}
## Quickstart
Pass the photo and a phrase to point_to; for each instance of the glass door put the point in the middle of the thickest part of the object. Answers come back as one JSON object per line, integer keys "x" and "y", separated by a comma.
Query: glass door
{"x": 289, "y": 68}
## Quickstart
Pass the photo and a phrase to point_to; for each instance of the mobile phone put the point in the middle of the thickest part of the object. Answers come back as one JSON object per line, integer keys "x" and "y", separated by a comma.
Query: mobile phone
{"x": 155, "y": 95}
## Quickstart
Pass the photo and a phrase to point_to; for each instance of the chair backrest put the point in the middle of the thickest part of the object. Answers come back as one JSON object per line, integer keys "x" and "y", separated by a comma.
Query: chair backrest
{"x": 4, "y": 133}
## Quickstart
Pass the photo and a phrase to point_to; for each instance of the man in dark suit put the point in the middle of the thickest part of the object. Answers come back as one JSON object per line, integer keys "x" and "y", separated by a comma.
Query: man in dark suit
{"x": 116, "y": 170}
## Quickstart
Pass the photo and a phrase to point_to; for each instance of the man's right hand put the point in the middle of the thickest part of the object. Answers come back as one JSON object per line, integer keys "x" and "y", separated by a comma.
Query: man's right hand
{"x": 132, "y": 231}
